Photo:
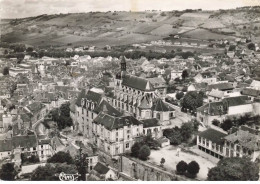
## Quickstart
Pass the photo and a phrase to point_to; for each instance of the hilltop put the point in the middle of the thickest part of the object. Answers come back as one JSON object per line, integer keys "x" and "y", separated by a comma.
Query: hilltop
{"x": 123, "y": 28}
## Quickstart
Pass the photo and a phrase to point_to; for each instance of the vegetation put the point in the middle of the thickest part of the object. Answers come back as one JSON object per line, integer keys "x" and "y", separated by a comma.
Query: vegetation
{"x": 234, "y": 169}
{"x": 216, "y": 122}
{"x": 6, "y": 71}
{"x": 178, "y": 135}
{"x": 50, "y": 172}
{"x": 144, "y": 152}
{"x": 61, "y": 157}
{"x": 193, "y": 169}
{"x": 179, "y": 95}
{"x": 184, "y": 74}
{"x": 251, "y": 46}
{"x": 162, "y": 161}
{"x": 181, "y": 167}
{"x": 8, "y": 172}
{"x": 62, "y": 116}
{"x": 31, "y": 159}
{"x": 192, "y": 100}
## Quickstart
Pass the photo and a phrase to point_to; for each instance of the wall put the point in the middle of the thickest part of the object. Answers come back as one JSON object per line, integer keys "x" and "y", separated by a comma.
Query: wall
{"x": 143, "y": 171}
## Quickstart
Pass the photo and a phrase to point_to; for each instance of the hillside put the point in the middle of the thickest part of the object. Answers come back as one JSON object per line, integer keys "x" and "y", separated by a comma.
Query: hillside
{"x": 123, "y": 28}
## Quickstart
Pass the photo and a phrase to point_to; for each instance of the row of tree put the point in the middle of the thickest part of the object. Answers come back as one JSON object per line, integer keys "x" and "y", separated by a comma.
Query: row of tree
{"x": 183, "y": 134}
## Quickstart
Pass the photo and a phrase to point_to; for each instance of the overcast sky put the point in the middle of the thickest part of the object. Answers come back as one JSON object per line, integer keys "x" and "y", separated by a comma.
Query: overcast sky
{"x": 26, "y": 8}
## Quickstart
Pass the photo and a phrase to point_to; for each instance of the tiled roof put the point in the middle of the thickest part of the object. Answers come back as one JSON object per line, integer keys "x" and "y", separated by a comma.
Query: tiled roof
{"x": 216, "y": 93}
{"x": 111, "y": 122}
{"x": 220, "y": 86}
{"x": 245, "y": 139}
{"x": 235, "y": 101}
{"x": 104, "y": 106}
{"x": 25, "y": 141}
{"x": 250, "y": 92}
{"x": 213, "y": 135}
{"x": 137, "y": 83}
{"x": 145, "y": 103}
{"x": 150, "y": 122}
{"x": 160, "y": 106}
{"x": 100, "y": 168}
{"x": 35, "y": 107}
{"x": 213, "y": 108}
{"x": 5, "y": 145}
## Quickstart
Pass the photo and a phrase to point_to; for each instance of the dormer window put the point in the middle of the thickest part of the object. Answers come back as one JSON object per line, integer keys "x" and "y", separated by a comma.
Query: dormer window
{"x": 82, "y": 102}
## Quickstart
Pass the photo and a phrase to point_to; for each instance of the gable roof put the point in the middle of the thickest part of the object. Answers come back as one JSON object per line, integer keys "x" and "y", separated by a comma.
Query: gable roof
{"x": 150, "y": 122}
{"x": 250, "y": 92}
{"x": 213, "y": 108}
{"x": 137, "y": 83}
{"x": 111, "y": 122}
{"x": 25, "y": 141}
{"x": 245, "y": 139}
{"x": 104, "y": 106}
{"x": 161, "y": 106}
{"x": 213, "y": 135}
{"x": 235, "y": 101}
{"x": 5, "y": 145}
{"x": 100, "y": 168}
{"x": 220, "y": 86}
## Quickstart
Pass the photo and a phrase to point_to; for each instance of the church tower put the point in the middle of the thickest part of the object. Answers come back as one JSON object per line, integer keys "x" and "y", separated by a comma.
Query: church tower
{"x": 123, "y": 63}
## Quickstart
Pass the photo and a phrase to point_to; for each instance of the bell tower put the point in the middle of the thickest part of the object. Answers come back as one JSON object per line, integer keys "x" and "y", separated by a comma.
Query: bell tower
{"x": 123, "y": 63}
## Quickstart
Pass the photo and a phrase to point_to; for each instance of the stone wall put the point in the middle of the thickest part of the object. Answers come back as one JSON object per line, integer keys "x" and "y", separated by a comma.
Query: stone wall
{"x": 140, "y": 170}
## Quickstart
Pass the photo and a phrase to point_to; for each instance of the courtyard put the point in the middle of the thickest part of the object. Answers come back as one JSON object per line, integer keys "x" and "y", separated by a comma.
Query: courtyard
{"x": 172, "y": 159}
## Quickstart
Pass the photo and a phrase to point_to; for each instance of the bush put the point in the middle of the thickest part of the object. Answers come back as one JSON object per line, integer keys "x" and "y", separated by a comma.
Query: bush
{"x": 181, "y": 167}
{"x": 193, "y": 168}
{"x": 251, "y": 46}
{"x": 144, "y": 152}
{"x": 179, "y": 95}
{"x": 216, "y": 122}
{"x": 135, "y": 149}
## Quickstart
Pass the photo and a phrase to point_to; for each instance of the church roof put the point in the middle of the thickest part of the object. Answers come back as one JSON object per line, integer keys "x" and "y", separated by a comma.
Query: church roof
{"x": 137, "y": 83}
{"x": 159, "y": 105}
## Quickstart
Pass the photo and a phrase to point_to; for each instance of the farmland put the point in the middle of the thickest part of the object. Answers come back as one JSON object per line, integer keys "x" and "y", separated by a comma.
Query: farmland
{"x": 123, "y": 28}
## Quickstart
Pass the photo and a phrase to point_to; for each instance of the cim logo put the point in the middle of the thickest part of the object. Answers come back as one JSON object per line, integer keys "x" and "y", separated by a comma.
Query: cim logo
{"x": 68, "y": 177}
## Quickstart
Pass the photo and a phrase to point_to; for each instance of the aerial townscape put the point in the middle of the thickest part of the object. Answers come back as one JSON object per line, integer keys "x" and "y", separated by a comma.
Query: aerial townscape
{"x": 129, "y": 96}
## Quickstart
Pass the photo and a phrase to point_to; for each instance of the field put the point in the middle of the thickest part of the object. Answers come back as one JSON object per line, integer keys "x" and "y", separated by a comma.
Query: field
{"x": 121, "y": 28}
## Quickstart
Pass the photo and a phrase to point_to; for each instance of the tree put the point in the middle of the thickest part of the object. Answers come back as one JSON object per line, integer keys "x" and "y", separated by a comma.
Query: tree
{"x": 192, "y": 100}
{"x": 29, "y": 49}
{"x": 62, "y": 116}
{"x": 6, "y": 71}
{"x": 216, "y": 122}
{"x": 251, "y": 46}
{"x": 61, "y": 157}
{"x": 186, "y": 131}
{"x": 50, "y": 172}
{"x": 193, "y": 168}
{"x": 81, "y": 164}
{"x": 144, "y": 152}
{"x": 175, "y": 137}
{"x": 150, "y": 141}
{"x": 184, "y": 74}
{"x": 179, "y": 95}
{"x": 234, "y": 169}
{"x": 8, "y": 172}
{"x": 162, "y": 161}
{"x": 181, "y": 167}
{"x": 135, "y": 149}
{"x": 20, "y": 57}
{"x": 227, "y": 124}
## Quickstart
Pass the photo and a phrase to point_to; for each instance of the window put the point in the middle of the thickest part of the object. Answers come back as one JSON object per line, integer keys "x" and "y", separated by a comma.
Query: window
{"x": 116, "y": 133}
{"x": 128, "y": 137}
{"x": 128, "y": 131}
{"x": 42, "y": 152}
{"x": 34, "y": 148}
{"x": 92, "y": 115}
{"x": 90, "y": 167}
{"x": 116, "y": 139}
{"x": 41, "y": 146}
{"x": 127, "y": 145}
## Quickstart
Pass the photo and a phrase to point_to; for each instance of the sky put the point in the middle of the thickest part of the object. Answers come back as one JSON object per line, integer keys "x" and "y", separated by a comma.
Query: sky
{"x": 27, "y": 8}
